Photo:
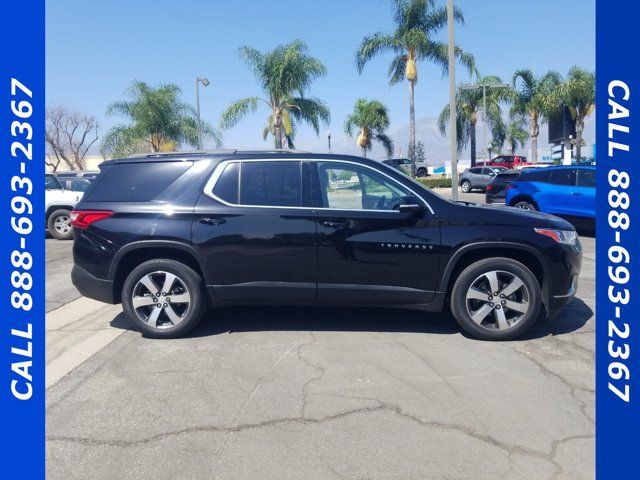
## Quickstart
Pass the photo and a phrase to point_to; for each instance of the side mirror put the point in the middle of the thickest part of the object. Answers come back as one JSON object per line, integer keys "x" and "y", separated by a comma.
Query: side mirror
{"x": 492, "y": 174}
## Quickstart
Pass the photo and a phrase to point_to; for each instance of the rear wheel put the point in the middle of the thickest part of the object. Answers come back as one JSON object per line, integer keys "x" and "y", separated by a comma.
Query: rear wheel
{"x": 496, "y": 299}
{"x": 164, "y": 298}
{"x": 465, "y": 186}
{"x": 525, "y": 205}
{"x": 422, "y": 172}
{"x": 59, "y": 224}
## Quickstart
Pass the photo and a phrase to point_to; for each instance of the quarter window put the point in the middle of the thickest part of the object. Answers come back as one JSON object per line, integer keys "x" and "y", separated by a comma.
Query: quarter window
{"x": 226, "y": 188}
{"x": 350, "y": 187}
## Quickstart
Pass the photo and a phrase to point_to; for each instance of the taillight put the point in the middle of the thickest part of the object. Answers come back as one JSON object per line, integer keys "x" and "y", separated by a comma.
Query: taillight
{"x": 489, "y": 187}
{"x": 83, "y": 218}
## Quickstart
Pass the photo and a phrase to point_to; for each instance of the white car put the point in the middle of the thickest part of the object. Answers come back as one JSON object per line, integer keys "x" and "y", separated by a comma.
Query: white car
{"x": 58, "y": 205}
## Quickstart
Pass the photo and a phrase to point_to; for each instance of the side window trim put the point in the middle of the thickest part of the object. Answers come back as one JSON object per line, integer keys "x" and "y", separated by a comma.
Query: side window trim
{"x": 217, "y": 172}
{"x": 315, "y": 161}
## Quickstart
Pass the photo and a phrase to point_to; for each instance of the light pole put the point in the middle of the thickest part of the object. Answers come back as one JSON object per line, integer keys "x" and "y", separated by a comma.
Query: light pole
{"x": 205, "y": 83}
{"x": 484, "y": 86}
{"x": 452, "y": 103}
{"x": 329, "y": 139}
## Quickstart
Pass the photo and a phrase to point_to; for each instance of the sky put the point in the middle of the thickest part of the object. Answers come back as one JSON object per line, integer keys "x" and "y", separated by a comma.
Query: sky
{"x": 96, "y": 49}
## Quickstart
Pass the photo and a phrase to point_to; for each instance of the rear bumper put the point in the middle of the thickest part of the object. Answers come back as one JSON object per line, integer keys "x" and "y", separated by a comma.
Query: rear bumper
{"x": 92, "y": 287}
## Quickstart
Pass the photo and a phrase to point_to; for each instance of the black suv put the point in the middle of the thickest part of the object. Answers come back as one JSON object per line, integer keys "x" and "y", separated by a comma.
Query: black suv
{"x": 168, "y": 234}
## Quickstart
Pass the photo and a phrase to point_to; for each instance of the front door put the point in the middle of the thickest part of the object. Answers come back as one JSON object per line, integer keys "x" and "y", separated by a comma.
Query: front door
{"x": 367, "y": 250}
{"x": 256, "y": 230}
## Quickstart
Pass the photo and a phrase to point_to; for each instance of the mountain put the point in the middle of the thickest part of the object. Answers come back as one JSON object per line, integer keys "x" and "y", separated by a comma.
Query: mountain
{"x": 437, "y": 147}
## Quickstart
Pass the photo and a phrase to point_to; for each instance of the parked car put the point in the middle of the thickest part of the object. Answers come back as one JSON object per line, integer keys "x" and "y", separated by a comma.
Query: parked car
{"x": 404, "y": 165}
{"x": 166, "y": 234}
{"x": 477, "y": 178}
{"x": 86, "y": 174}
{"x": 507, "y": 161}
{"x": 496, "y": 190}
{"x": 58, "y": 205}
{"x": 566, "y": 191}
{"x": 75, "y": 184}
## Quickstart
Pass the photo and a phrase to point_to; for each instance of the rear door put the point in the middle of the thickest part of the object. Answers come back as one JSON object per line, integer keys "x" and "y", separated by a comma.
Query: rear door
{"x": 256, "y": 230}
{"x": 367, "y": 250}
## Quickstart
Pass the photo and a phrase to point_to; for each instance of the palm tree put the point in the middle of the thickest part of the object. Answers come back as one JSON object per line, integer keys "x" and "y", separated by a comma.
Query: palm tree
{"x": 535, "y": 98}
{"x": 158, "y": 122}
{"x": 578, "y": 93}
{"x": 468, "y": 104}
{"x": 371, "y": 117}
{"x": 284, "y": 74}
{"x": 516, "y": 135}
{"x": 417, "y": 22}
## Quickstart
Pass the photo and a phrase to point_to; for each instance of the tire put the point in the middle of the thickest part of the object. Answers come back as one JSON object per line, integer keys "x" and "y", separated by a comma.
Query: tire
{"x": 493, "y": 317}
{"x": 59, "y": 224}
{"x": 422, "y": 172}
{"x": 525, "y": 205}
{"x": 465, "y": 186}
{"x": 166, "y": 318}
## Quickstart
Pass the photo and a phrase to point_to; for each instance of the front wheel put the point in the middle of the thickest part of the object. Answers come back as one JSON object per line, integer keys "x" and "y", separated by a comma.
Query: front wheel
{"x": 164, "y": 298}
{"x": 496, "y": 299}
{"x": 422, "y": 172}
{"x": 465, "y": 186}
{"x": 59, "y": 224}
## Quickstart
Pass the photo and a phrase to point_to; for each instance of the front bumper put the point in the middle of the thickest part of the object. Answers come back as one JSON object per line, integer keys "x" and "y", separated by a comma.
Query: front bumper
{"x": 92, "y": 287}
{"x": 563, "y": 280}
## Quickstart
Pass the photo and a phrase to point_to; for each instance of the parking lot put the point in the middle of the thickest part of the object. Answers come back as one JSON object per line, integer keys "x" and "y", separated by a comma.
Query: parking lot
{"x": 316, "y": 393}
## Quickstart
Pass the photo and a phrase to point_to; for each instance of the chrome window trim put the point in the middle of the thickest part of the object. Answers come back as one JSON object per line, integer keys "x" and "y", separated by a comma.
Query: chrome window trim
{"x": 208, "y": 188}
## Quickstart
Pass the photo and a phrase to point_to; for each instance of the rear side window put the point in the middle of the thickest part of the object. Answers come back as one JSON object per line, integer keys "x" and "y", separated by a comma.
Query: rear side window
{"x": 563, "y": 176}
{"x": 135, "y": 182}
{"x": 276, "y": 184}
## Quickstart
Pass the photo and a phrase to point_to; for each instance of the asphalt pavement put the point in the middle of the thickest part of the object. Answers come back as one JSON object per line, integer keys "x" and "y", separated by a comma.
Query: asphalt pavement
{"x": 316, "y": 393}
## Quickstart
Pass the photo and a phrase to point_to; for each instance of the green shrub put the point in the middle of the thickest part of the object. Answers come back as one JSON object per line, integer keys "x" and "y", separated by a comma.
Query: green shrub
{"x": 435, "y": 182}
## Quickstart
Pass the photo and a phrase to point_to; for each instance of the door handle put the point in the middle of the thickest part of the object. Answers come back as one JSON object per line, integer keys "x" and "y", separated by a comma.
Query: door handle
{"x": 212, "y": 221}
{"x": 576, "y": 193}
{"x": 335, "y": 225}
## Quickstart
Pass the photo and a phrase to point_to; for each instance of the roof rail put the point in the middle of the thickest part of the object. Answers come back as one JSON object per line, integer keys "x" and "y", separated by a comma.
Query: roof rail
{"x": 229, "y": 151}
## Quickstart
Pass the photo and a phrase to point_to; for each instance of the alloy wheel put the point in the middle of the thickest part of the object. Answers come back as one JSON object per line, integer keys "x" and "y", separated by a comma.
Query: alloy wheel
{"x": 161, "y": 299}
{"x": 497, "y": 300}
{"x": 62, "y": 224}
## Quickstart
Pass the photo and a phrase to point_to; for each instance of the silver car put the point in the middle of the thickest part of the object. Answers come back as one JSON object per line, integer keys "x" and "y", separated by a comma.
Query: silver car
{"x": 477, "y": 178}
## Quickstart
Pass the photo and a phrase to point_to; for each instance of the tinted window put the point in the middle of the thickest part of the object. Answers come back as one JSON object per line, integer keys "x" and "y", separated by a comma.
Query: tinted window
{"x": 275, "y": 184}
{"x": 135, "y": 182}
{"x": 350, "y": 187}
{"x": 226, "y": 187}
{"x": 508, "y": 176}
{"x": 586, "y": 177}
{"x": 51, "y": 182}
{"x": 563, "y": 176}
{"x": 487, "y": 171}
{"x": 533, "y": 175}
{"x": 475, "y": 170}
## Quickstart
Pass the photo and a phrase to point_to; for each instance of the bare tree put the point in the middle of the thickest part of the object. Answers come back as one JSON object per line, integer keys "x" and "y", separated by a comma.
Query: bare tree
{"x": 69, "y": 135}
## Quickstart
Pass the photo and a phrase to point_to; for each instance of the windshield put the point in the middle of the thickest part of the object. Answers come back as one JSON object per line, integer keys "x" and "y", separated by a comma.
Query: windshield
{"x": 51, "y": 182}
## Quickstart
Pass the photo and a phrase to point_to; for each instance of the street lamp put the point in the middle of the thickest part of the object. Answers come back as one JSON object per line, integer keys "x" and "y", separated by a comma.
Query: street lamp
{"x": 484, "y": 87}
{"x": 205, "y": 83}
{"x": 329, "y": 139}
{"x": 452, "y": 103}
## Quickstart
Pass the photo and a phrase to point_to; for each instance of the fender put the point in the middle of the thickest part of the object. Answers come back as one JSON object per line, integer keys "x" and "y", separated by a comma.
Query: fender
{"x": 142, "y": 244}
{"x": 448, "y": 270}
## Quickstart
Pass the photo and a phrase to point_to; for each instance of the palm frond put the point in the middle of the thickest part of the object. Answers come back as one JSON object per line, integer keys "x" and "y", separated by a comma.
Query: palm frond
{"x": 238, "y": 110}
{"x": 373, "y": 45}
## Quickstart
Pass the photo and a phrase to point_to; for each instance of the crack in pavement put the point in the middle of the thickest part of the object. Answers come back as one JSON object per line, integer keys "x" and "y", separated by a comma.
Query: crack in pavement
{"x": 381, "y": 406}
{"x": 322, "y": 371}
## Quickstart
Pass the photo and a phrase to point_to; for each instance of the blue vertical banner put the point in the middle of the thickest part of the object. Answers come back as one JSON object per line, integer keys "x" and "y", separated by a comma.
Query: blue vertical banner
{"x": 22, "y": 316}
{"x": 617, "y": 245}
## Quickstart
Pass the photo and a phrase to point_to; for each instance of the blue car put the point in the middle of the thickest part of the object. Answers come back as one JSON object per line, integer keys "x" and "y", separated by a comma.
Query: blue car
{"x": 565, "y": 191}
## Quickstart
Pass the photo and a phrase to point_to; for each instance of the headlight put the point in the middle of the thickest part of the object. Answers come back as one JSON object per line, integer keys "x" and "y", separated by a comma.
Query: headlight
{"x": 568, "y": 237}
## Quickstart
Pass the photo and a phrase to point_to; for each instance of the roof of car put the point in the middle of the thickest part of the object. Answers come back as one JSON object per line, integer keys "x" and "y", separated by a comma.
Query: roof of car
{"x": 229, "y": 153}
